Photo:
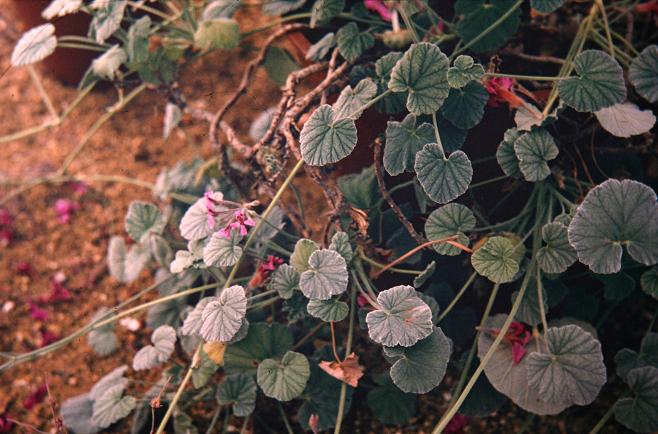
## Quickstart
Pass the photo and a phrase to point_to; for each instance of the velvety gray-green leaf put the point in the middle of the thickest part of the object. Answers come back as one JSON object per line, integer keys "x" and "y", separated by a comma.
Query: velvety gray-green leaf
{"x": 464, "y": 106}
{"x": 534, "y": 150}
{"x": 443, "y": 179}
{"x": 326, "y": 140}
{"x": 403, "y": 140}
{"x": 327, "y": 275}
{"x": 446, "y": 221}
{"x": 286, "y": 379}
{"x": 643, "y": 73}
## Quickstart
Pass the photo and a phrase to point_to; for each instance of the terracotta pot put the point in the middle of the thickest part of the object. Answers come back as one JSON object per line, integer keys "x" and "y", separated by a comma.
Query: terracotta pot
{"x": 66, "y": 64}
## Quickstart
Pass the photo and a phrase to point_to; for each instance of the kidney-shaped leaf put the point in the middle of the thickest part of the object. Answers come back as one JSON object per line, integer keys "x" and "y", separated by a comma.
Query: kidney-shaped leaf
{"x": 222, "y": 317}
{"x": 263, "y": 341}
{"x": 498, "y": 259}
{"x": 479, "y": 15}
{"x": 112, "y": 406}
{"x": 239, "y": 391}
{"x": 285, "y": 379}
{"x": 326, "y": 276}
{"x": 340, "y": 242}
{"x": 534, "y": 150}
{"x": 443, "y": 179}
{"x": 76, "y": 414}
{"x": 557, "y": 255}
{"x": 508, "y": 377}
{"x": 142, "y": 219}
{"x": 401, "y": 319}
{"x": 326, "y": 140}
{"x": 125, "y": 266}
{"x": 464, "y": 106}
{"x": 102, "y": 340}
{"x": 599, "y": 84}
{"x": 352, "y": 43}
{"x": 284, "y": 280}
{"x": 571, "y": 371}
{"x": 506, "y": 156}
{"x": 328, "y": 310}
{"x": 615, "y": 214}
{"x": 448, "y": 220}
{"x": 350, "y": 101}
{"x": 420, "y": 368}
{"x": 640, "y": 412}
{"x": 422, "y": 72}
{"x": 625, "y": 120}
{"x": 649, "y": 282}
{"x": 193, "y": 320}
{"x": 627, "y": 360}
{"x": 463, "y": 71}
{"x": 304, "y": 248}
{"x": 150, "y": 356}
{"x": 194, "y": 224}
{"x": 389, "y": 404}
{"x": 403, "y": 140}
{"x": 643, "y": 73}
{"x": 222, "y": 252}
{"x": 36, "y": 44}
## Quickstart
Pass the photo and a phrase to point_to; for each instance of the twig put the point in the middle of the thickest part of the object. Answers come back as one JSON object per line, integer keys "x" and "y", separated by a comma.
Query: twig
{"x": 394, "y": 206}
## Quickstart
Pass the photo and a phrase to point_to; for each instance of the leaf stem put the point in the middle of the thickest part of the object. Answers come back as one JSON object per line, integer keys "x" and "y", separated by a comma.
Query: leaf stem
{"x": 348, "y": 350}
{"x": 601, "y": 423}
{"x": 448, "y": 240}
{"x": 437, "y": 136}
{"x": 524, "y": 77}
{"x": 457, "y": 297}
{"x": 285, "y": 418}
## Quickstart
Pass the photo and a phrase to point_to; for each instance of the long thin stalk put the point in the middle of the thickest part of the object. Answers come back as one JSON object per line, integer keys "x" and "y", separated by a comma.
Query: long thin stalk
{"x": 457, "y": 297}
{"x": 601, "y": 423}
{"x": 348, "y": 350}
{"x": 229, "y": 280}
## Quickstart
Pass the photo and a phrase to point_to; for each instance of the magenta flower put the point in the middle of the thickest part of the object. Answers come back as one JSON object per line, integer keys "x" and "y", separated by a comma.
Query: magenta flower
{"x": 5, "y": 423}
{"x": 36, "y": 312}
{"x": 6, "y": 236}
{"x": 65, "y": 209}
{"x": 456, "y": 424}
{"x": 6, "y": 219}
{"x": 24, "y": 268}
{"x": 241, "y": 221}
{"x": 48, "y": 337}
{"x": 36, "y": 397}
{"x": 379, "y": 7}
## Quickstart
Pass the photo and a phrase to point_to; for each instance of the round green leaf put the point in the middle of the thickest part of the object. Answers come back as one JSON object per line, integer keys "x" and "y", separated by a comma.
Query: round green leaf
{"x": 403, "y": 140}
{"x": 142, "y": 219}
{"x": 401, "y": 319}
{"x": 464, "y": 107}
{"x": 102, "y": 340}
{"x": 125, "y": 266}
{"x": 328, "y": 310}
{"x": 239, "y": 391}
{"x": 150, "y": 356}
{"x": 217, "y": 34}
{"x": 505, "y": 155}
{"x": 321, "y": 397}
{"x": 443, "y": 179}
{"x": 626, "y": 120}
{"x": 424, "y": 276}
{"x": 463, "y": 71}
{"x": 286, "y": 379}
{"x": 352, "y": 43}
{"x": 615, "y": 214}
{"x": 222, "y": 317}
{"x": 326, "y": 140}
{"x": 478, "y": 15}
{"x": 452, "y": 138}
{"x": 448, "y": 220}
{"x": 498, "y": 259}
{"x": 640, "y": 413}
{"x": 599, "y": 84}
{"x": 340, "y": 243}
{"x": 389, "y": 404}
{"x": 324, "y": 10}
{"x": 350, "y": 102}
{"x": 302, "y": 252}
{"x": 557, "y": 255}
{"x": 112, "y": 379}
{"x": 326, "y": 276}
{"x": 649, "y": 282}
{"x": 36, "y": 44}
{"x": 571, "y": 371}
{"x": 420, "y": 368}
{"x": 422, "y": 72}
{"x": 222, "y": 252}
{"x": 546, "y": 6}
{"x": 534, "y": 150}
{"x": 194, "y": 224}
{"x": 76, "y": 414}
{"x": 391, "y": 103}
{"x": 111, "y": 406}
{"x": 643, "y": 73}
{"x": 262, "y": 341}
{"x": 509, "y": 378}
{"x": 284, "y": 280}
{"x": 627, "y": 360}
{"x": 193, "y": 320}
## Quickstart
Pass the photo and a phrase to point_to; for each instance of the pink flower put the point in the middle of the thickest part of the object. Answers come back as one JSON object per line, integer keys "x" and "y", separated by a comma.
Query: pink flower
{"x": 65, "y": 209}
{"x": 240, "y": 222}
{"x": 379, "y": 7}
{"x": 214, "y": 206}
{"x": 36, "y": 397}
{"x": 48, "y": 337}
{"x": 361, "y": 300}
{"x": 501, "y": 90}
{"x": 518, "y": 336}
{"x": 456, "y": 424}
{"x": 58, "y": 292}
{"x": 24, "y": 268}
{"x": 36, "y": 312}
{"x": 6, "y": 219}
{"x": 6, "y": 236}
{"x": 313, "y": 421}
{"x": 5, "y": 423}
{"x": 263, "y": 271}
